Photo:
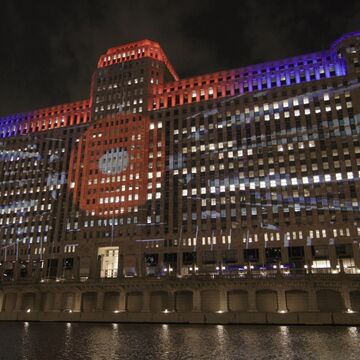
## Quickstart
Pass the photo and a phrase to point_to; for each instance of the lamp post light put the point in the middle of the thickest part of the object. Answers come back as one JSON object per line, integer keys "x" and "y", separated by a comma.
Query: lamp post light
{"x": 168, "y": 270}
{"x": 193, "y": 269}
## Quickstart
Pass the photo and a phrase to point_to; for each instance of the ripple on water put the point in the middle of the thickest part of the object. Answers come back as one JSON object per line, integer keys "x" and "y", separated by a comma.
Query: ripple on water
{"x": 65, "y": 341}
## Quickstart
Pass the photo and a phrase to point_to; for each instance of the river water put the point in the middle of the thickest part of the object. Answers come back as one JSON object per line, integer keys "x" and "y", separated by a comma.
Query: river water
{"x": 52, "y": 341}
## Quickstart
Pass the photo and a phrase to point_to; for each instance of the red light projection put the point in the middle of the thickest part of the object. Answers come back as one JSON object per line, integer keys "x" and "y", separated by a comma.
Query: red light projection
{"x": 109, "y": 167}
{"x": 136, "y": 50}
{"x": 64, "y": 115}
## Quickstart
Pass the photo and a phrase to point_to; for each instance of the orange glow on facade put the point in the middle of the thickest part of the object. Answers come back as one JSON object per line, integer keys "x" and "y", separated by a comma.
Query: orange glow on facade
{"x": 110, "y": 165}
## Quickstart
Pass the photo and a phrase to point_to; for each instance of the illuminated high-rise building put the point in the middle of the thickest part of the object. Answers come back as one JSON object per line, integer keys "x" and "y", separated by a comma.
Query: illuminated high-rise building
{"x": 251, "y": 168}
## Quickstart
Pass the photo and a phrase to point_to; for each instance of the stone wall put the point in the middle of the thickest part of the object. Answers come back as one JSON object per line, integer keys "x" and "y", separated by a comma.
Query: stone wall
{"x": 309, "y": 299}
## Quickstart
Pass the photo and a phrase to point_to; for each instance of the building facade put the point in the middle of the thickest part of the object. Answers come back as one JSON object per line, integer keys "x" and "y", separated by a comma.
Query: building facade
{"x": 247, "y": 170}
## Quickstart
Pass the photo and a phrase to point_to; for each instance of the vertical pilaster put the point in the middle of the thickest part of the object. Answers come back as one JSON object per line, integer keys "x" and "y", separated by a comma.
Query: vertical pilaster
{"x": 171, "y": 301}
{"x": 76, "y": 269}
{"x": 2, "y": 269}
{"x": 313, "y": 305}
{"x": 252, "y": 300}
{"x": 95, "y": 266}
{"x": 77, "y": 301}
{"x": 196, "y": 301}
{"x": 120, "y": 273}
{"x": 161, "y": 262}
{"x": 100, "y": 300}
{"x": 356, "y": 252}
{"x": 37, "y": 302}
{"x": 199, "y": 259}
{"x": 179, "y": 263}
{"x": 16, "y": 274}
{"x": 281, "y": 299}
{"x": 60, "y": 268}
{"x": 146, "y": 301}
{"x": 308, "y": 255}
{"x": 18, "y": 301}
{"x": 223, "y": 306}
{"x": 262, "y": 259}
{"x": 346, "y": 297}
{"x": 122, "y": 301}
{"x": 30, "y": 270}
{"x": 58, "y": 297}
{"x": 285, "y": 255}
{"x": 332, "y": 256}
{"x": 2, "y": 297}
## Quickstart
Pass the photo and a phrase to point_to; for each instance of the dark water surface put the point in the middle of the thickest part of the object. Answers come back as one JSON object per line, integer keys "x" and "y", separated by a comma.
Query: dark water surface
{"x": 52, "y": 341}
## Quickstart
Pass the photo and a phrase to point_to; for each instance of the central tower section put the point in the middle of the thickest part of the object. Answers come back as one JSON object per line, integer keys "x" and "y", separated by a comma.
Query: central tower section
{"x": 113, "y": 159}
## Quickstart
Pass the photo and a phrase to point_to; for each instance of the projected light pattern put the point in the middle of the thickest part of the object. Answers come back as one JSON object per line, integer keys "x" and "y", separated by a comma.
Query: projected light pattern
{"x": 159, "y": 165}
{"x": 45, "y": 119}
{"x": 136, "y": 50}
{"x": 242, "y": 81}
{"x": 112, "y": 161}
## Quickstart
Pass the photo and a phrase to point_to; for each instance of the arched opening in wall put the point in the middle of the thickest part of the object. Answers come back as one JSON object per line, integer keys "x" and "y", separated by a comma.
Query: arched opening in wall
{"x": 329, "y": 300}
{"x": 68, "y": 300}
{"x": 134, "y": 301}
{"x": 355, "y": 300}
{"x": 28, "y": 301}
{"x": 238, "y": 300}
{"x": 266, "y": 300}
{"x": 159, "y": 301}
{"x": 183, "y": 301}
{"x": 297, "y": 300}
{"x": 10, "y": 302}
{"x": 111, "y": 301}
{"x": 88, "y": 301}
{"x": 210, "y": 300}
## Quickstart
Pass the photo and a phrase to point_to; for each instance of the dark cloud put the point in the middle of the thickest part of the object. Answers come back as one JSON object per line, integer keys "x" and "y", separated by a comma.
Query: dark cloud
{"x": 49, "y": 49}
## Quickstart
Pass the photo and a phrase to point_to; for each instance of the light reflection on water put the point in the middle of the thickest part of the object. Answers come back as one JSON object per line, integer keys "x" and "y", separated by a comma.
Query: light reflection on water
{"x": 68, "y": 341}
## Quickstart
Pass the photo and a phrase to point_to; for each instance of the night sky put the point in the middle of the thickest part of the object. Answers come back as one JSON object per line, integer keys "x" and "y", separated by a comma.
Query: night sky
{"x": 49, "y": 49}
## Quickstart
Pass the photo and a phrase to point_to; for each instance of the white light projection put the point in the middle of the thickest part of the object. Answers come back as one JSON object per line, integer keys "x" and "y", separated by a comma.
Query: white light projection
{"x": 113, "y": 161}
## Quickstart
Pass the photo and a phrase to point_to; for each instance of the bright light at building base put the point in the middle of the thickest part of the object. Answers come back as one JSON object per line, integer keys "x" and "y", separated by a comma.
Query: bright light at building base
{"x": 28, "y": 310}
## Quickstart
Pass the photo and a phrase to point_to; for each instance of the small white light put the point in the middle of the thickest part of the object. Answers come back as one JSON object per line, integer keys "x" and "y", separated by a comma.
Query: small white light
{"x": 338, "y": 266}
{"x": 245, "y": 267}
{"x": 220, "y": 311}
{"x": 28, "y": 310}
{"x": 345, "y": 266}
{"x": 281, "y": 266}
{"x": 282, "y": 311}
{"x": 191, "y": 269}
{"x": 166, "y": 311}
{"x": 196, "y": 268}
{"x": 165, "y": 270}
{"x": 171, "y": 269}
{"x": 223, "y": 268}
{"x": 116, "y": 311}
{"x": 274, "y": 266}
{"x": 305, "y": 266}
{"x": 350, "y": 311}
{"x": 251, "y": 267}
{"x": 70, "y": 311}
{"x": 217, "y": 268}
